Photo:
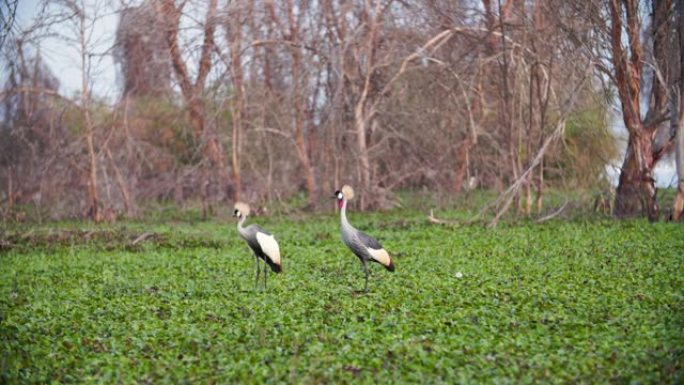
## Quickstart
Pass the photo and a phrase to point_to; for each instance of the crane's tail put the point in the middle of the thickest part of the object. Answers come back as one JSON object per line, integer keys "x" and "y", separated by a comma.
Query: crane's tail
{"x": 275, "y": 267}
{"x": 390, "y": 267}
{"x": 382, "y": 257}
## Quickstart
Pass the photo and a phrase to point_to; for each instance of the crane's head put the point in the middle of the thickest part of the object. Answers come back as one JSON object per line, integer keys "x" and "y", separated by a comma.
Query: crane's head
{"x": 241, "y": 210}
{"x": 346, "y": 193}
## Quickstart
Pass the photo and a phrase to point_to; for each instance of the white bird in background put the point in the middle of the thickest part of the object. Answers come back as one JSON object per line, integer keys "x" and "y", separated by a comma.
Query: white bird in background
{"x": 262, "y": 242}
{"x": 365, "y": 247}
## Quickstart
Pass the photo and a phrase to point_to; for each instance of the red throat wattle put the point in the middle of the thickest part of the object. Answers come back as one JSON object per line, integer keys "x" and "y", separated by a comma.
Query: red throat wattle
{"x": 340, "y": 202}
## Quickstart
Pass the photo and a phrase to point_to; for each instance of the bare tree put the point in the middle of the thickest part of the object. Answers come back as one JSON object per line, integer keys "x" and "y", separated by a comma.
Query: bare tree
{"x": 93, "y": 193}
{"x": 82, "y": 18}
{"x": 284, "y": 46}
{"x": 8, "y": 12}
{"x": 141, "y": 53}
{"x": 192, "y": 90}
{"x": 29, "y": 131}
{"x": 636, "y": 189}
{"x": 438, "y": 95}
{"x": 234, "y": 33}
{"x": 63, "y": 165}
{"x": 677, "y": 116}
{"x": 299, "y": 82}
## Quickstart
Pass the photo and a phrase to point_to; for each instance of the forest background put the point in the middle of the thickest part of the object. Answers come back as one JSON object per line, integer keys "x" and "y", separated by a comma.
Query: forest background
{"x": 273, "y": 102}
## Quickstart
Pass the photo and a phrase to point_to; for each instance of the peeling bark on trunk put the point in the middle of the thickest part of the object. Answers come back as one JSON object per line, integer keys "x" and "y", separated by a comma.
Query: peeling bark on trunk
{"x": 636, "y": 192}
{"x": 636, "y": 189}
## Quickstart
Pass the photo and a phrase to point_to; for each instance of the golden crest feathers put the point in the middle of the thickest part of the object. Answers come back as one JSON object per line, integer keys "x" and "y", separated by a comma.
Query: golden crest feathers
{"x": 242, "y": 207}
{"x": 348, "y": 192}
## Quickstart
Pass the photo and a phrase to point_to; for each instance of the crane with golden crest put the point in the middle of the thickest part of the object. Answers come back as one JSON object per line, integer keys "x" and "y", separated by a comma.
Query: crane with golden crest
{"x": 365, "y": 247}
{"x": 262, "y": 243}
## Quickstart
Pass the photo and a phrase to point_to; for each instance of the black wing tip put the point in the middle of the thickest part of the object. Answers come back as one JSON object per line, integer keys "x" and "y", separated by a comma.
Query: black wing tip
{"x": 390, "y": 267}
{"x": 276, "y": 268}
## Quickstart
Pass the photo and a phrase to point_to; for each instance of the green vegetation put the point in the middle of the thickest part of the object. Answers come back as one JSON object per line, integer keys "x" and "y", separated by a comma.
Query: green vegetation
{"x": 587, "y": 146}
{"x": 595, "y": 301}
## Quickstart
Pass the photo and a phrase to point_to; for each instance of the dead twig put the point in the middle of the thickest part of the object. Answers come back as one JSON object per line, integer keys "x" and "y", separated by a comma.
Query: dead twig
{"x": 141, "y": 238}
{"x": 504, "y": 200}
{"x": 553, "y": 214}
{"x": 433, "y": 219}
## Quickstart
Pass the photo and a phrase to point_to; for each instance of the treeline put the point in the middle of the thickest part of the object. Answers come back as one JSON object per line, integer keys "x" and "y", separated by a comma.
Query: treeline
{"x": 264, "y": 100}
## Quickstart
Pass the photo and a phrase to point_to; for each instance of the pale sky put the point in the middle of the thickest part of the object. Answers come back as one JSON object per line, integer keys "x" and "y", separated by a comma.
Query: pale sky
{"x": 63, "y": 57}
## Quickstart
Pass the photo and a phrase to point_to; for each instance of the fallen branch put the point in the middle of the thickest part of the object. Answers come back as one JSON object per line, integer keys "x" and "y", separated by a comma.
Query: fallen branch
{"x": 509, "y": 194}
{"x": 553, "y": 214}
{"x": 433, "y": 219}
{"x": 141, "y": 238}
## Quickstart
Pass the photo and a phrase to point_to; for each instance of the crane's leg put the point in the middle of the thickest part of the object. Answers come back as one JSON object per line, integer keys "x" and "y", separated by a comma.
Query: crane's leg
{"x": 365, "y": 269}
{"x": 256, "y": 261}
{"x": 265, "y": 273}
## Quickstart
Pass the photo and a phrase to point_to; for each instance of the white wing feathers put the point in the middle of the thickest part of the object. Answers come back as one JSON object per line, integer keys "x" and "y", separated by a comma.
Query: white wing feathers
{"x": 379, "y": 255}
{"x": 269, "y": 246}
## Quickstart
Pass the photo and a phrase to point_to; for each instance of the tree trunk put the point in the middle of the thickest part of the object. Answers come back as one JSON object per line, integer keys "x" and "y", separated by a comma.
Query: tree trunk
{"x": 677, "y": 117}
{"x": 10, "y": 188}
{"x": 125, "y": 192}
{"x": 462, "y": 164}
{"x": 298, "y": 100}
{"x": 636, "y": 190}
{"x": 235, "y": 38}
{"x": 235, "y": 160}
{"x": 93, "y": 192}
{"x": 540, "y": 187}
{"x": 362, "y": 147}
{"x": 678, "y": 209}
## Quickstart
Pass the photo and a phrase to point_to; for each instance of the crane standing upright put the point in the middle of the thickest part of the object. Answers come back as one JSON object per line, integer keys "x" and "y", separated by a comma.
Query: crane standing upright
{"x": 364, "y": 246}
{"x": 262, "y": 243}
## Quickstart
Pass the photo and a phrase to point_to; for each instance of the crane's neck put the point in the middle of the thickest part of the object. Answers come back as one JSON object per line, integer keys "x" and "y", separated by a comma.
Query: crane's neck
{"x": 241, "y": 222}
{"x": 343, "y": 215}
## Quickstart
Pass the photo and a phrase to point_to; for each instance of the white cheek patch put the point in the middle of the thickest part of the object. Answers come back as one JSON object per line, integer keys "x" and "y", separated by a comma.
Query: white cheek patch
{"x": 269, "y": 246}
{"x": 380, "y": 255}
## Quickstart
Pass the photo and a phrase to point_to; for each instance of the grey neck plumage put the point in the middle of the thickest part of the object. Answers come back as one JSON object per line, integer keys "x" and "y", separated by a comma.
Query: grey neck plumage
{"x": 346, "y": 226}
{"x": 240, "y": 224}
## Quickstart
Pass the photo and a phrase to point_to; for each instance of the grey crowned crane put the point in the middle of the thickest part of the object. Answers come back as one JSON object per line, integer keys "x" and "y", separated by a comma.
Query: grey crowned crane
{"x": 262, "y": 243}
{"x": 365, "y": 247}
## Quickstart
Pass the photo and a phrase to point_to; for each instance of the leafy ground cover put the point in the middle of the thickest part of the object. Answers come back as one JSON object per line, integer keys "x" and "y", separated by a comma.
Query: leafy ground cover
{"x": 595, "y": 301}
